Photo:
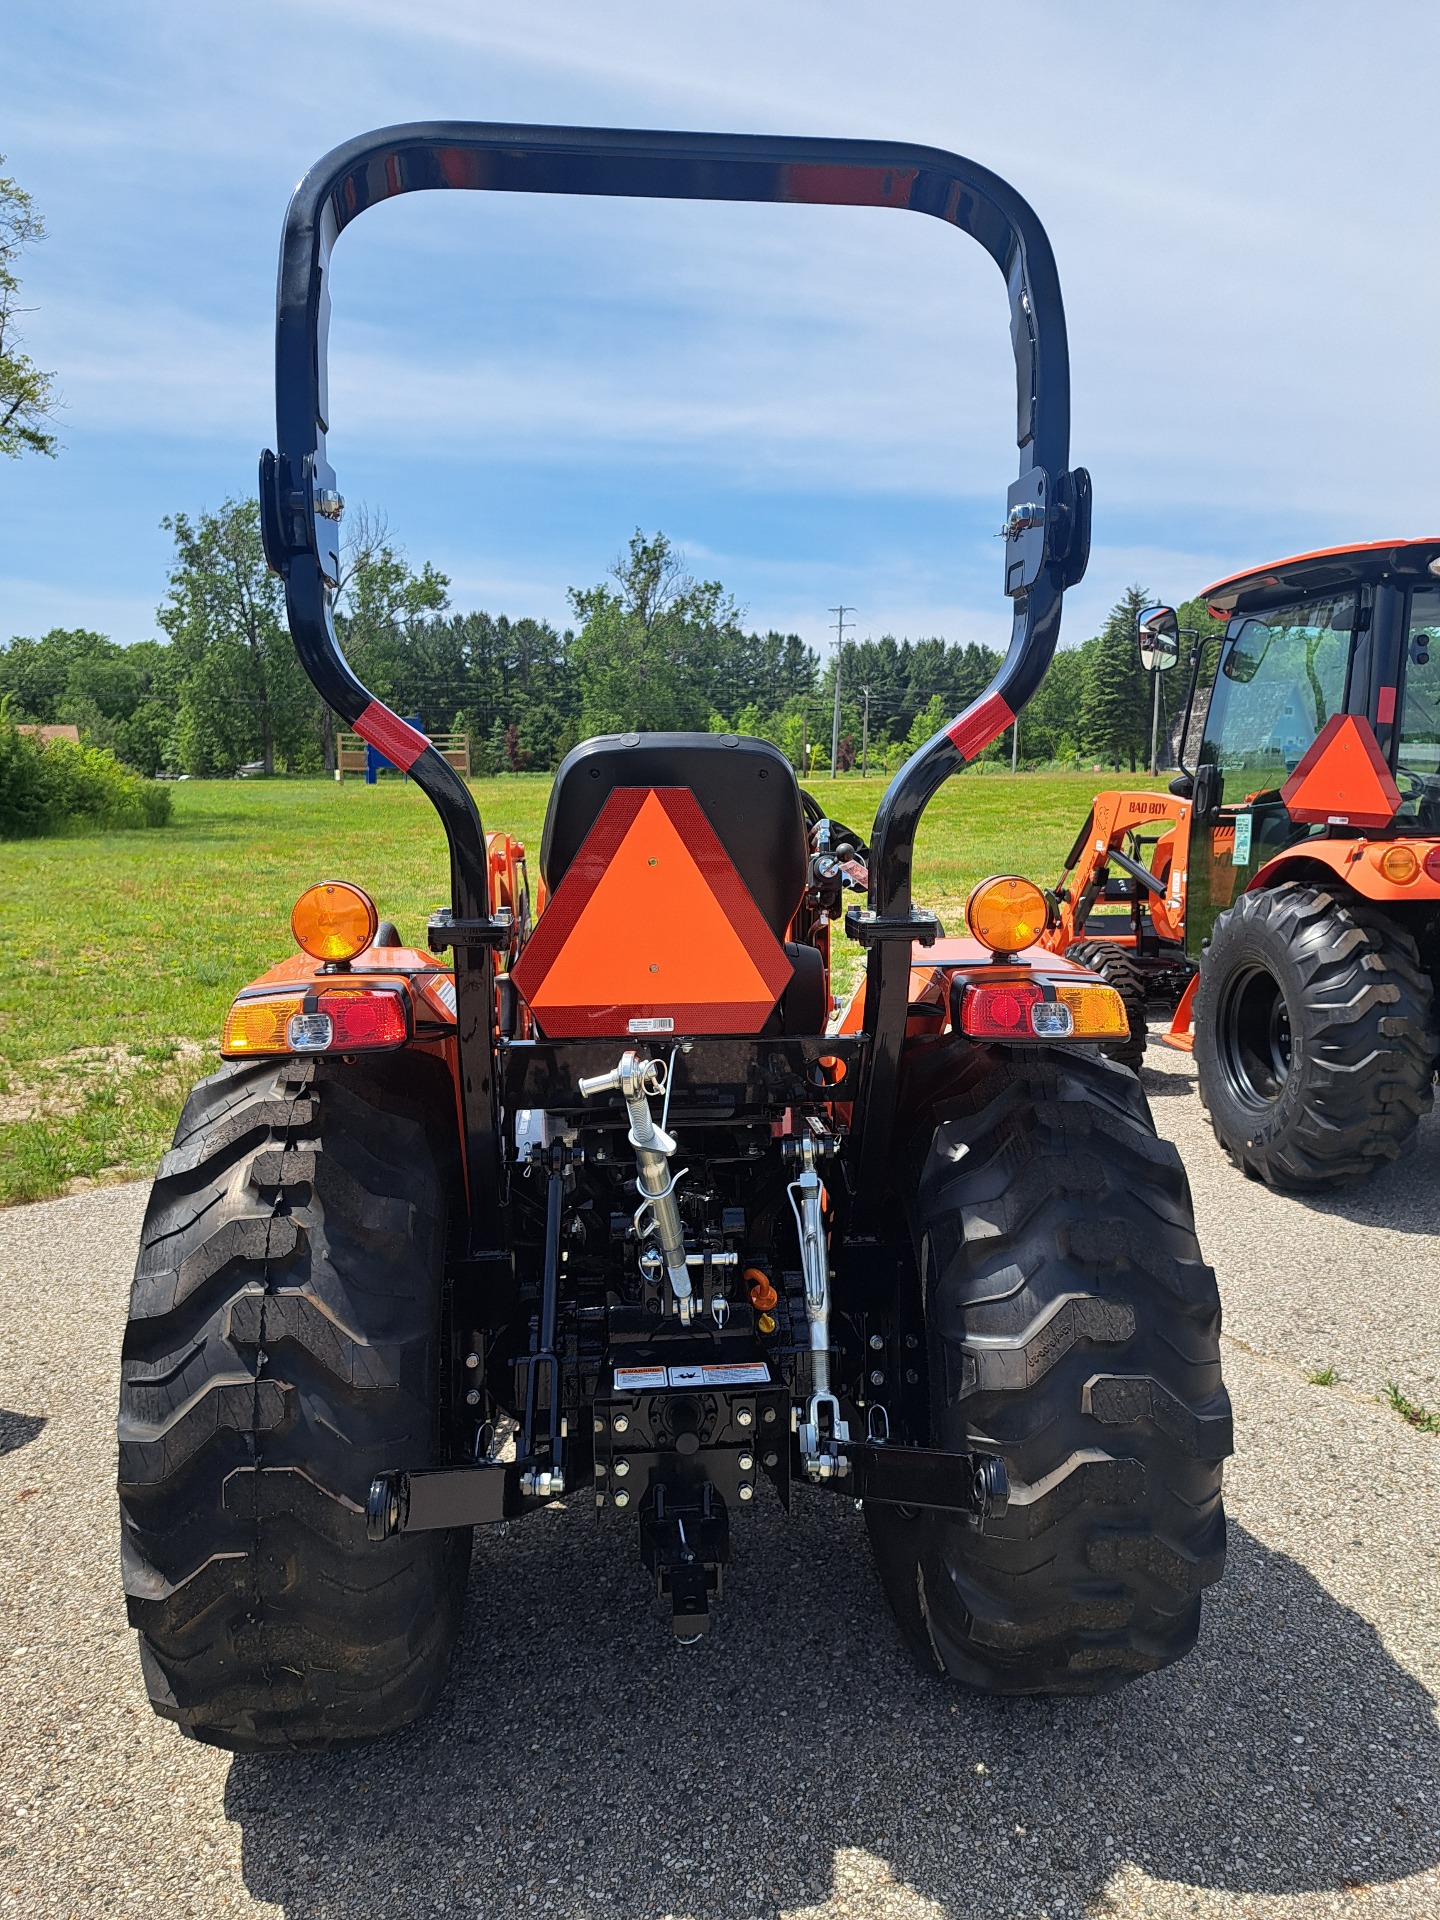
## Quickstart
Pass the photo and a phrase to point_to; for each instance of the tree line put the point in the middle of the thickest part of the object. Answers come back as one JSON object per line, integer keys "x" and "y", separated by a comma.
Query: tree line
{"x": 651, "y": 648}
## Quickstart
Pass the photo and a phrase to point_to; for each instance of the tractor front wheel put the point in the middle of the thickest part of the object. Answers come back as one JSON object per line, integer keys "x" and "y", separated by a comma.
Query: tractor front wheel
{"x": 1312, "y": 1037}
{"x": 284, "y": 1347}
{"x": 1072, "y": 1328}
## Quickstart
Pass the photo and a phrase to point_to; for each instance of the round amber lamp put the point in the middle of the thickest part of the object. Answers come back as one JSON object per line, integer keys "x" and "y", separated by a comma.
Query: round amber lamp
{"x": 1399, "y": 864}
{"x": 1006, "y": 913}
{"x": 334, "y": 921}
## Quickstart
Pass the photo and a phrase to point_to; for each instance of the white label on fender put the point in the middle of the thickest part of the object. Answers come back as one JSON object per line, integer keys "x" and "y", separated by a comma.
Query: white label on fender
{"x": 1241, "y": 855}
{"x": 658, "y": 1023}
{"x": 444, "y": 992}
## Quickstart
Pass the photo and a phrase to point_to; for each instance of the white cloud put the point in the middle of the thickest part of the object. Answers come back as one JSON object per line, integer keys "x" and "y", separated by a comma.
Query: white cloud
{"x": 1240, "y": 201}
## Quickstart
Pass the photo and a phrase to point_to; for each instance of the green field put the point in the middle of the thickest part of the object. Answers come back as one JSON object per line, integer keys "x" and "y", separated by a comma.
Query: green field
{"x": 122, "y": 950}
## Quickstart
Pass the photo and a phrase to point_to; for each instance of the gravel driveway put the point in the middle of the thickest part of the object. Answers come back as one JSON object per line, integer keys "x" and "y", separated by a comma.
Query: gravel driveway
{"x": 797, "y": 1764}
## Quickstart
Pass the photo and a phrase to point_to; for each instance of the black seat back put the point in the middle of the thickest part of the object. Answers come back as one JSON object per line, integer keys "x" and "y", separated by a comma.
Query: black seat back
{"x": 746, "y": 787}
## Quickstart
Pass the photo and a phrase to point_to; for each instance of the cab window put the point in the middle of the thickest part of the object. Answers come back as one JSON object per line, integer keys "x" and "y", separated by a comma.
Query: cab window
{"x": 1417, "y": 763}
{"x": 1282, "y": 676}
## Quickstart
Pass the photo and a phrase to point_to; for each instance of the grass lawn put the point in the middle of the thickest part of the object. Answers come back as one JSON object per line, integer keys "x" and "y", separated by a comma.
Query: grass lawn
{"x": 123, "y": 950}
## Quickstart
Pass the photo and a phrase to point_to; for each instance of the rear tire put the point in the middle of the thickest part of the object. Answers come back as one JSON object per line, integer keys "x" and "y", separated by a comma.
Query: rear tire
{"x": 1072, "y": 1328}
{"x": 1117, "y": 969}
{"x": 1312, "y": 1037}
{"x": 283, "y": 1348}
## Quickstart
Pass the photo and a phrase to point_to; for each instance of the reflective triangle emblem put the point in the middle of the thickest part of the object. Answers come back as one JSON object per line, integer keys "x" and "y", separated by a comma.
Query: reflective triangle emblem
{"x": 651, "y": 930}
{"x": 1343, "y": 779}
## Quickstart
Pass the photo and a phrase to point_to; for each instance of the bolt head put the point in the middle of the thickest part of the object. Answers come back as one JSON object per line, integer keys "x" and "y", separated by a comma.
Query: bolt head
{"x": 599, "y": 1425}
{"x": 747, "y": 1492}
{"x": 621, "y": 1497}
{"x": 769, "y": 1416}
{"x": 746, "y": 1462}
{"x": 744, "y": 1418}
{"x": 622, "y": 1467}
{"x": 772, "y": 1459}
{"x": 472, "y": 1398}
{"x": 622, "y": 1423}
{"x": 877, "y": 1378}
{"x": 877, "y": 1341}
{"x": 472, "y": 1359}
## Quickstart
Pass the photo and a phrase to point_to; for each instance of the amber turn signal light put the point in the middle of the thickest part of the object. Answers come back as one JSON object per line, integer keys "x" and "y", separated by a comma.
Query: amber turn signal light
{"x": 334, "y": 921}
{"x": 1399, "y": 864}
{"x": 1006, "y": 913}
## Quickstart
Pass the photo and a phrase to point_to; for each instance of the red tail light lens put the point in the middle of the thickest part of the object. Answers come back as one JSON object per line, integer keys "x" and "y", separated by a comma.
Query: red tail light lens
{"x": 1432, "y": 863}
{"x": 365, "y": 1019}
{"x": 999, "y": 1013}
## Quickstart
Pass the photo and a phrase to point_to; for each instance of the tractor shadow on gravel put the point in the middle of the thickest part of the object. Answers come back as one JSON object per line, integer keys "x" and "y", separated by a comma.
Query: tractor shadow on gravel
{"x": 579, "y": 1764}
{"x": 19, "y": 1429}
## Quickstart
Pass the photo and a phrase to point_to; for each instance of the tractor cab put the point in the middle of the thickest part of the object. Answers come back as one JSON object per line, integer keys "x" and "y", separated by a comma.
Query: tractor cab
{"x": 1311, "y": 759}
{"x": 1320, "y": 722}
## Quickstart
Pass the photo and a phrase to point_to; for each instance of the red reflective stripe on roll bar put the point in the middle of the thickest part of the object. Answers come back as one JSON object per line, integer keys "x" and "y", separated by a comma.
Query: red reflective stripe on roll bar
{"x": 976, "y": 728}
{"x": 399, "y": 742}
{"x": 1385, "y": 706}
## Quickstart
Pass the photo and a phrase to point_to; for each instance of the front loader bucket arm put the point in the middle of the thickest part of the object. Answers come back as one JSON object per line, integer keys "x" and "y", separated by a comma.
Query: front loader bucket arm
{"x": 1047, "y": 531}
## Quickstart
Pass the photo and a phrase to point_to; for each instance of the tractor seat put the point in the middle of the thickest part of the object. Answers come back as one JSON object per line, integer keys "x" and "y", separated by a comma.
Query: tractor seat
{"x": 746, "y": 787}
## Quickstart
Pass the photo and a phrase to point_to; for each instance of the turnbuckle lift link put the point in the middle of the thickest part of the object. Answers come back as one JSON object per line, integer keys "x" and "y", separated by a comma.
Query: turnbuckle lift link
{"x": 638, "y": 1081}
{"x": 823, "y": 1432}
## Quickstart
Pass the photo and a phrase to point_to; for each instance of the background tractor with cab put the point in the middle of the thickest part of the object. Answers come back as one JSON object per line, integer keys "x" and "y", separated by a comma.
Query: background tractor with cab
{"x": 1289, "y": 906}
{"x": 606, "y": 1208}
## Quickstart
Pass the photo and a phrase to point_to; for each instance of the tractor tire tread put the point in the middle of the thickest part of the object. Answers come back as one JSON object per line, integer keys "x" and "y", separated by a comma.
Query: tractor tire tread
{"x": 1365, "y": 1045}
{"x": 283, "y": 1348}
{"x": 1073, "y": 1328}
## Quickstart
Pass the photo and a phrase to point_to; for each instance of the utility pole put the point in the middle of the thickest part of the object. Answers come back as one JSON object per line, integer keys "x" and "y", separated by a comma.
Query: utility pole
{"x": 840, "y": 613}
{"x": 865, "y": 736}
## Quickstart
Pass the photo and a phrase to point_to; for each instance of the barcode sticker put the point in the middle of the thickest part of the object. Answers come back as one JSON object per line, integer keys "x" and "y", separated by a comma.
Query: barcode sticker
{"x": 657, "y": 1023}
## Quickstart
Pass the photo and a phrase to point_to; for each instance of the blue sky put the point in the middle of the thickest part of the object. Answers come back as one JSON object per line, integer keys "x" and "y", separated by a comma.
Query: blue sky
{"x": 814, "y": 403}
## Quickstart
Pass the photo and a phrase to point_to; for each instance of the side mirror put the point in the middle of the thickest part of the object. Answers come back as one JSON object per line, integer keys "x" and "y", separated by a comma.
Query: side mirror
{"x": 1159, "y": 636}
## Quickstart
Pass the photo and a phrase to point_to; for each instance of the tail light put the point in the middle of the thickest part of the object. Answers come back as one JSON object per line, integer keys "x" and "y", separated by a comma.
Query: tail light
{"x": 338, "y": 1020}
{"x": 1020, "y": 1010}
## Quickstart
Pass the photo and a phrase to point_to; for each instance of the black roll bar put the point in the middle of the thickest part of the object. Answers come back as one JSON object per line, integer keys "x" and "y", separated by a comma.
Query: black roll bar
{"x": 1046, "y": 531}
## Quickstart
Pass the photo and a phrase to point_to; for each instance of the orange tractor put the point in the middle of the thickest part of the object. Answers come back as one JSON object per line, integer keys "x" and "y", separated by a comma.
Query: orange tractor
{"x": 608, "y": 1209}
{"x": 1289, "y": 907}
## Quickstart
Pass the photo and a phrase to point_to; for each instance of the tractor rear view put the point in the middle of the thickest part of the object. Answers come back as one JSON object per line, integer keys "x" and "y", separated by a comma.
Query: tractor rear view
{"x": 608, "y": 1208}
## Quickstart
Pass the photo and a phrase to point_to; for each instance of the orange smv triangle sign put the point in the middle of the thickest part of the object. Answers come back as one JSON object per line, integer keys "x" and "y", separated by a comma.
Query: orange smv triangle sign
{"x": 1343, "y": 779}
{"x": 651, "y": 930}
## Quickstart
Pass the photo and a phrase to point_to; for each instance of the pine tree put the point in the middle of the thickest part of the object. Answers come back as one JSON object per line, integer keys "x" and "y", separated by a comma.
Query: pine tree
{"x": 1115, "y": 703}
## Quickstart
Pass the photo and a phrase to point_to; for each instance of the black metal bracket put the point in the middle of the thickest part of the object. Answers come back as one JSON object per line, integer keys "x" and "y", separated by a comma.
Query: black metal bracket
{"x": 439, "y": 1498}
{"x": 971, "y": 1483}
{"x": 446, "y": 931}
{"x": 918, "y": 927}
{"x": 685, "y": 1544}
